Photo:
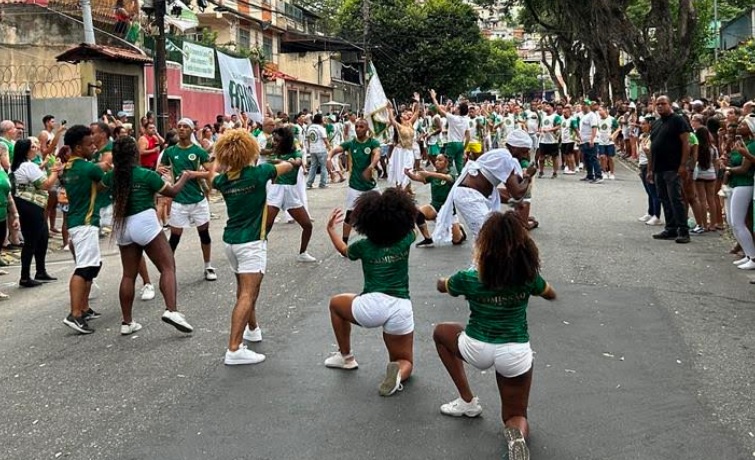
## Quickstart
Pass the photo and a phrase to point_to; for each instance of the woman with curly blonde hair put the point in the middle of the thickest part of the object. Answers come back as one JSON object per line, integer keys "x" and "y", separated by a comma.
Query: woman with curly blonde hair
{"x": 506, "y": 274}
{"x": 242, "y": 183}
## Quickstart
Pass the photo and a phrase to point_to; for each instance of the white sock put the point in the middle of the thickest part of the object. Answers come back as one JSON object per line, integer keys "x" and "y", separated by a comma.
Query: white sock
{"x": 207, "y": 265}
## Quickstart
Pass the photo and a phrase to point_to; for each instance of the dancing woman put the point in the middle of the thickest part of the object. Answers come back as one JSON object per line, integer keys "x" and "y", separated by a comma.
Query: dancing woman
{"x": 137, "y": 229}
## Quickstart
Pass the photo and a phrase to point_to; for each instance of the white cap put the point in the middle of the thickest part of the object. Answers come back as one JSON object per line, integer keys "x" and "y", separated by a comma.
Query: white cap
{"x": 519, "y": 138}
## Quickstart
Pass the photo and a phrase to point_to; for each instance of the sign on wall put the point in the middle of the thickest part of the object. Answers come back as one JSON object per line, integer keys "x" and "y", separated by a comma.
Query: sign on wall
{"x": 239, "y": 90}
{"x": 199, "y": 61}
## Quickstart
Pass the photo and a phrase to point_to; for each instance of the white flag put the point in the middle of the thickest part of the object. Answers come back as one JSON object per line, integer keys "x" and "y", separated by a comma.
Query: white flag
{"x": 375, "y": 104}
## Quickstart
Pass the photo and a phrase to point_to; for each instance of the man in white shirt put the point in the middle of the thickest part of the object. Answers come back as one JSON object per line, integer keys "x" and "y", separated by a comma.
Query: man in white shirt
{"x": 458, "y": 132}
{"x": 588, "y": 132}
{"x": 549, "y": 130}
{"x": 608, "y": 129}
{"x": 318, "y": 146}
{"x": 265, "y": 139}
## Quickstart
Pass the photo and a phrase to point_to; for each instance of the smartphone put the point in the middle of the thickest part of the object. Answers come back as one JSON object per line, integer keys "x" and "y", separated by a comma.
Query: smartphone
{"x": 64, "y": 122}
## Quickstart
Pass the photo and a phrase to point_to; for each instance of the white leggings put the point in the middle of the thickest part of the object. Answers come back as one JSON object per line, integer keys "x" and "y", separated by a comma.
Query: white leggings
{"x": 737, "y": 207}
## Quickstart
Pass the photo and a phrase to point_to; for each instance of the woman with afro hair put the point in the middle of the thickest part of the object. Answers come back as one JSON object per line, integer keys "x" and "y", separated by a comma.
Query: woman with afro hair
{"x": 387, "y": 221}
{"x": 506, "y": 274}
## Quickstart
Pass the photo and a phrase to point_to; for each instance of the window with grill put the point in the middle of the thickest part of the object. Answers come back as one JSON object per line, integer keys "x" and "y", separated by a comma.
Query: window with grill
{"x": 242, "y": 38}
{"x": 267, "y": 47}
{"x": 116, "y": 89}
{"x": 305, "y": 101}
{"x": 293, "y": 99}
{"x": 274, "y": 96}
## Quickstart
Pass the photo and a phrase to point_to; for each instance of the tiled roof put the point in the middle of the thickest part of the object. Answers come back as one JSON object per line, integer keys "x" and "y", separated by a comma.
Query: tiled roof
{"x": 85, "y": 52}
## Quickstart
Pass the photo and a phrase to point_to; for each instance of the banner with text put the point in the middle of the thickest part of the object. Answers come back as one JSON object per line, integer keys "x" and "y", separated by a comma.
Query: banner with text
{"x": 238, "y": 86}
{"x": 199, "y": 61}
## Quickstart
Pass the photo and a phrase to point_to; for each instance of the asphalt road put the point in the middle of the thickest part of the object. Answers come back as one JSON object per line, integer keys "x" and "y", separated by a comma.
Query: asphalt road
{"x": 646, "y": 354}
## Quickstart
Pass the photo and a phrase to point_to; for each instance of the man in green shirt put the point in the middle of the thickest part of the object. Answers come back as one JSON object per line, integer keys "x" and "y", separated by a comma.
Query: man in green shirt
{"x": 190, "y": 207}
{"x": 364, "y": 155}
{"x": 8, "y": 137}
{"x": 82, "y": 179}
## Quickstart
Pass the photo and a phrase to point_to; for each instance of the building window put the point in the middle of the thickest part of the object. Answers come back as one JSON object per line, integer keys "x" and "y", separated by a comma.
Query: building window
{"x": 274, "y": 96}
{"x": 242, "y": 38}
{"x": 293, "y": 102}
{"x": 324, "y": 97}
{"x": 305, "y": 101}
{"x": 267, "y": 47}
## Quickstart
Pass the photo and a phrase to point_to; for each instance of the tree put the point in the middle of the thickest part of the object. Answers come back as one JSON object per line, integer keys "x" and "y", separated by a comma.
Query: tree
{"x": 526, "y": 79}
{"x": 436, "y": 44}
{"x": 498, "y": 69}
{"x": 736, "y": 62}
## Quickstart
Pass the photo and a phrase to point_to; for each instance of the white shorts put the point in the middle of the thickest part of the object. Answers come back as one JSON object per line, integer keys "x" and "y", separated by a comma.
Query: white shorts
{"x": 473, "y": 207}
{"x": 376, "y": 309}
{"x": 85, "y": 240}
{"x": 284, "y": 197}
{"x": 106, "y": 216}
{"x": 189, "y": 215}
{"x": 352, "y": 195}
{"x": 139, "y": 229}
{"x": 247, "y": 257}
{"x": 509, "y": 359}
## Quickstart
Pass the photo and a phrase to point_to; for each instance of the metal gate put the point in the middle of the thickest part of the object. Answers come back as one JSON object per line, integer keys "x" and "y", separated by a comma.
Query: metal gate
{"x": 116, "y": 89}
{"x": 16, "y": 105}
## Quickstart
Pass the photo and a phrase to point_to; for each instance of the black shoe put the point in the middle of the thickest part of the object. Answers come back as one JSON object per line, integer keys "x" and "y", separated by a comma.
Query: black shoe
{"x": 90, "y": 314}
{"x": 14, "y": 246}
{"x": 44, "y": 277}
{"x": 426, "y": 243}
{"x": 683, "y": 238}
{"x": 540, "y": 175}
{"x": 587, "y": 179}
{"x": 666, "y": 235}
{"x": 30, "y": 283}
{"x": 463, "y": 236}
{"x": 78, "y": 324}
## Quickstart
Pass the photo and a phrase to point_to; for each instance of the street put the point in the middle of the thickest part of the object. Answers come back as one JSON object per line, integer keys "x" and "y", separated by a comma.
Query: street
{"x": 646, "y": 354}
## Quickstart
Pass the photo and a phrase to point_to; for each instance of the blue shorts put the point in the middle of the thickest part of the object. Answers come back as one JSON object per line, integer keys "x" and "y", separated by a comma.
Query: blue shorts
{"x": 608, "y": 150}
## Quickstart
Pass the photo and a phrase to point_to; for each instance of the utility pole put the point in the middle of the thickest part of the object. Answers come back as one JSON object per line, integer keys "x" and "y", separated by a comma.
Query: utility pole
{"x": 365, "y": 41}
{"x": 86, "y": 16}
{"x": 161, "y": 70}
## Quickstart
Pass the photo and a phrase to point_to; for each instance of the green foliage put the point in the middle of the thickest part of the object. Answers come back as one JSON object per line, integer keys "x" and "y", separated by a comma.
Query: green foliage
{"x": 736, "y": 62}
{"x": 499, "y": 68}
{"x": 526, "y": 78}
{"x": 415, "y": 47}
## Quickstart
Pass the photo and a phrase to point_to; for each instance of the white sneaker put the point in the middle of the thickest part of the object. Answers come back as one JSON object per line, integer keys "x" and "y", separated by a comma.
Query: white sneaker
{"x": 209, "y": 274}
{"x": 242, "y": 356}
{"x": 611, "y": 176}
{"x": 177, "y": 320}
{"x": 741, "y": 261}
{"x": 306, "y": 258}
{"x": 254, "y": 335}
{"x": 645, "y": 218}
{"x": 516, "y": 445}
{"x": 567, "y": 170}
{"x": 392, "y": 381}
{"x": 148, "y": 292}
{"x": 128, "y": 329}
{"x": 338, "y": 361}
{"x": 749, "y": 265}
{"x": 654, "y": 221}
{"x": 458, "y": 407}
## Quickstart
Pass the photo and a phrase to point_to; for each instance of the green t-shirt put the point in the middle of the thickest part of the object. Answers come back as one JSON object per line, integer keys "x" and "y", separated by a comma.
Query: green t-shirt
{"x": 736, "y": 159}
{"x": 81, "y": 178}
{"x": 361, "y": 157}
{"x": 386, "y": 269}
{"x": 440, "y": 188}
{"x": 144, "y": 184}
{"x": 495, "y": 316}
{"x": 245, "y": 198}
{"x": 10, "y": 146}
{"x": 104, "y": 197}
{"x": 4, "y": 191}
{"x": 183, "y": 159}
{"x": 290, "y": 177}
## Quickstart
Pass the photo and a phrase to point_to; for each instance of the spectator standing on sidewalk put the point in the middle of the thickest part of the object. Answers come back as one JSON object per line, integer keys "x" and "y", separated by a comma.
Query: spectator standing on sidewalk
{"x": 670, "y": 149}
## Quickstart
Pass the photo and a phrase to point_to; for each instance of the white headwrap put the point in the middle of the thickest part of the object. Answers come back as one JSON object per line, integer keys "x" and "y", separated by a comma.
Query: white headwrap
{"x": 519, "y": 138}
{"x": 186, "y": 121}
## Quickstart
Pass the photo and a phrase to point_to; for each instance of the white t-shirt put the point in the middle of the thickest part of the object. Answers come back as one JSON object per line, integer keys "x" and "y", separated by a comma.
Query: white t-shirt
{"x": 432, "y": 127}
{"x": 587, "y": 122}
{"x": 532, "y": 121}
{"x": 316, "y": 136}
{"x": 606, "y": 127}
{"x": 28, "y": 173}
{"x": 457, "y": 127}
{"x": 262, "y": 140}
{"x": 549, "y": 122}
{"x": 566, "y": 130}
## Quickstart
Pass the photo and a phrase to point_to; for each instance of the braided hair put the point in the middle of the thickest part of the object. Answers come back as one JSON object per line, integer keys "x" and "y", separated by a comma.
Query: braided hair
{"x": 125, "y": 153}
